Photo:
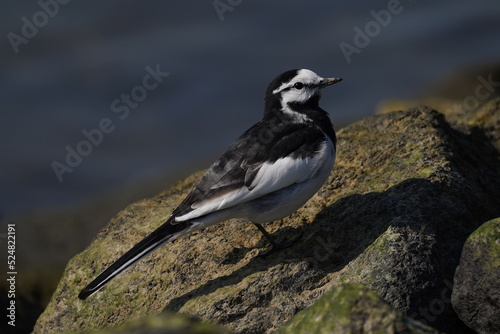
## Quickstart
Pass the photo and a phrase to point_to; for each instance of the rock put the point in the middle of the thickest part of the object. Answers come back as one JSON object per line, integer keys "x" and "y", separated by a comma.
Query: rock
{"x": 43, "y": 262}
{"x": 164, "y": 323}
{"x": 352, "y": 309}
{"x": 408, "y": 188}
{"x": 476, "y": 295}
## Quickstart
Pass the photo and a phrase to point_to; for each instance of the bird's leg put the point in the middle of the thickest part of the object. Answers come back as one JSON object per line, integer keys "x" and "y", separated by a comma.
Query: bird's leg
{"x": 268, "y": 236}
{"x": 274, "y": 244}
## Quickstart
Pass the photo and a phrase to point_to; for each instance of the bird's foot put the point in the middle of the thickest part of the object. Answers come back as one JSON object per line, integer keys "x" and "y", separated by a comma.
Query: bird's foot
{"x": 275, "y": 246}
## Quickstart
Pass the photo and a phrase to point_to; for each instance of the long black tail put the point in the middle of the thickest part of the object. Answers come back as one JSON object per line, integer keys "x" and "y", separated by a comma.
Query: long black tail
{"x": 161, "y": 235}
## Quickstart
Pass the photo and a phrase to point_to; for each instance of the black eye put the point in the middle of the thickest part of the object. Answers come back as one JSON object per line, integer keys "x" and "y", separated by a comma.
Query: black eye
{"x": 298, "y": 85}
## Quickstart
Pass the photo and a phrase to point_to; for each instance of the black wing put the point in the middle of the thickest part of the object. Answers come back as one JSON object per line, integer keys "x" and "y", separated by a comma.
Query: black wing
{"x": 238, "y": 165}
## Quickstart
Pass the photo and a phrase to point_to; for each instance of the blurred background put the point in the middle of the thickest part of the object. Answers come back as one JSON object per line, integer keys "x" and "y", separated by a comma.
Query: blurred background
{"x": 68, "y": 66}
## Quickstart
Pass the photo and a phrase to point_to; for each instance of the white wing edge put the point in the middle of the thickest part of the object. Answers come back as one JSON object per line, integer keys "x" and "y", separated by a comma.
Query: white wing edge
{"x": 271, "y": 177}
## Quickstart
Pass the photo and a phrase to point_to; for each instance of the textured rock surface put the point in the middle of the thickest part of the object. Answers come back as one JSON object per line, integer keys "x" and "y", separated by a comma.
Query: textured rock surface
{"x": 352, "y": 309}
{"x": 164, "y": 323}
{"x": 407, "y": 190}
{"x": 476, "y": 294}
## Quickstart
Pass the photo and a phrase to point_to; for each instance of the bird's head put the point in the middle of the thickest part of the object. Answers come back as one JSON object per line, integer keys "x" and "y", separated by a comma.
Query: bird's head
{"x": 296, "y": 89}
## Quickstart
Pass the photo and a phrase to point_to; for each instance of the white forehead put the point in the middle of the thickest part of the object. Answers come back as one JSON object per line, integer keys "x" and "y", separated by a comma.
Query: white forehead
{"x": 304, "y": 75}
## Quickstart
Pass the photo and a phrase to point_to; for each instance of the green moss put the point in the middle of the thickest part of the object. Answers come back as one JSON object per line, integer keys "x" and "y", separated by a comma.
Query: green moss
{"x": 351, "y": 309}
{"x": 362, "y": 269}
{"x": 485, "y": 242}
{"x": 485, "y": 113}
{"x": 372, "y": 187}
{"x": 164, "y": 323}
{"x": 382, "y": 243}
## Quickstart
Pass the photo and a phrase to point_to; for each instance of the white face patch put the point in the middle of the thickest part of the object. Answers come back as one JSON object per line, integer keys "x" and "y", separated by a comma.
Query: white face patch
{"x": 300, "y": 89}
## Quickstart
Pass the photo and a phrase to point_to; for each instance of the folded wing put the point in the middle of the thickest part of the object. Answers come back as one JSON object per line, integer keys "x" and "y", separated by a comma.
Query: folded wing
{"x": 251, "y": 176}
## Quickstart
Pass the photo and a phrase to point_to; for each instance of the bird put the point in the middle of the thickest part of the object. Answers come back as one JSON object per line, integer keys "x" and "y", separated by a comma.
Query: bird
{"x": 268, "y": 173}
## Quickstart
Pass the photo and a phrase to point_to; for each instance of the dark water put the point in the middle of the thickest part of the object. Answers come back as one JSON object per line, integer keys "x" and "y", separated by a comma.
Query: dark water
{"x": 74, "y": 70}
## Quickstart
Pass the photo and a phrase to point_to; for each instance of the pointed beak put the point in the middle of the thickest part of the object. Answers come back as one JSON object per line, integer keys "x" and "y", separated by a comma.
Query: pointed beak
{"x": 329, "y": 81}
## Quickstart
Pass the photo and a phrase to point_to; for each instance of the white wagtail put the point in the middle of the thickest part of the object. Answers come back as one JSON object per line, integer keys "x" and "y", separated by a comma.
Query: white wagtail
{"x": 269, "y": 172}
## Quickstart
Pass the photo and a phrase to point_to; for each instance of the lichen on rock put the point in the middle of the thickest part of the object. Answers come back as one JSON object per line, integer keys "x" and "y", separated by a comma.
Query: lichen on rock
{"x": 407, "y": 190}
{"x": 352, "y": 309}
{"x": 476, "y": 295}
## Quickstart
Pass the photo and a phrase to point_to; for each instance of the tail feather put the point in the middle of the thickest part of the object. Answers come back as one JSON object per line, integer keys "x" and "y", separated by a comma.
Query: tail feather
{"x": 161, "y": 235}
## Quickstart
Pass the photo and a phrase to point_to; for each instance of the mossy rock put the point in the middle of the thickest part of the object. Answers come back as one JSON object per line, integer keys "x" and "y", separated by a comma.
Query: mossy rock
{"x": 164, "y": 323}
{"x": 476, "y": 296}
{"x": 407, "y": 190}
{"x": 349, "y": 309}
